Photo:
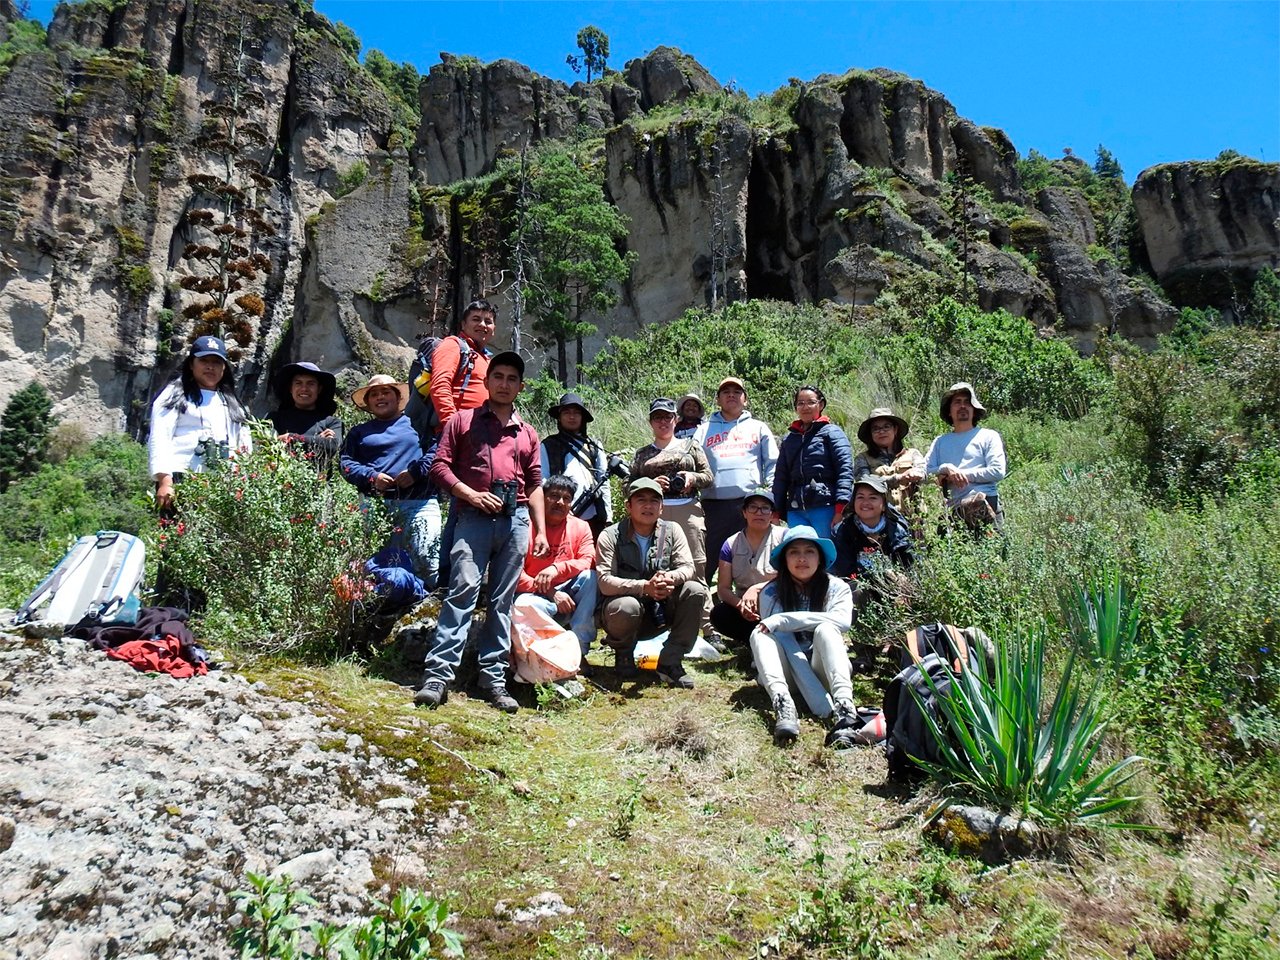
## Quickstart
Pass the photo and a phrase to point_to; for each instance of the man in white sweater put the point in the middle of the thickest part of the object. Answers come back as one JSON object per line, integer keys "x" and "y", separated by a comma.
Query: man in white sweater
{"x": 969, "y": 461}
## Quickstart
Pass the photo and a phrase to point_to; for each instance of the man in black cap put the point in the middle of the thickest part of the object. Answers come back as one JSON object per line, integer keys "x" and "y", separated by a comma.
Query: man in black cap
{"x": 571, "y": 453}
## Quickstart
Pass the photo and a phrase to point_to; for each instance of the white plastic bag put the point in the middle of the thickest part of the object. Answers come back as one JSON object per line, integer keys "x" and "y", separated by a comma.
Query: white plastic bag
{"x": 541, "y": 649}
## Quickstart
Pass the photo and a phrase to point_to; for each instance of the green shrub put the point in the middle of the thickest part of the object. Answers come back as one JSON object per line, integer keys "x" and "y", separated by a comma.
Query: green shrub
{"x": 263, "y": 539}
{"x": 413, "y": 926}
{"x": 352, "y": 177}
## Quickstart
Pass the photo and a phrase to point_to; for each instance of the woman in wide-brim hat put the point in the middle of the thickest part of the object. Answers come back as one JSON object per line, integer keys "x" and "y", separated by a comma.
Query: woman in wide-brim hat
{"x": 570, "y": 452}
{"x": 800, "y": 640}
{"x": 883, "y": 433}
{"x": 384, "y": 458}
{"x": 307, "y": 414}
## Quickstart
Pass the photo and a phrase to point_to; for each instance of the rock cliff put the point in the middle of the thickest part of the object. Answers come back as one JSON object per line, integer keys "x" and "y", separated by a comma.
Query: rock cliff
{"x": 834, "y": 189}
{"x": 1210, "y": 226}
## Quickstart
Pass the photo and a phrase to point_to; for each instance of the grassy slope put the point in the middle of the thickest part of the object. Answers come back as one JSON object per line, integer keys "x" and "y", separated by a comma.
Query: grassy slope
{"x": 674, "y": 828}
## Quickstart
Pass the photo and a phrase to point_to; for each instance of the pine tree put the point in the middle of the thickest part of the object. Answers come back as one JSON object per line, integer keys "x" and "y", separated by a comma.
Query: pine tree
{"x": 25, "y": 429}
{"x": 594, "y": 44}
{"x": 569, "y": 231}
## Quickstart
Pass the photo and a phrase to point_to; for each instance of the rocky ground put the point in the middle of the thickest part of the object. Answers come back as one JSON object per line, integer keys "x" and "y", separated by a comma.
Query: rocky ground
{"x": 132, "y": 805}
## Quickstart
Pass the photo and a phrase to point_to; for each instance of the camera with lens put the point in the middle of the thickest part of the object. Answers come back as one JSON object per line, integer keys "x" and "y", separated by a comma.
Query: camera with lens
{"x": 675, "y": 485}
{"x": 505, "y": 490}
{"x": 211, "y": 450}
{"x": 618, "y": 466}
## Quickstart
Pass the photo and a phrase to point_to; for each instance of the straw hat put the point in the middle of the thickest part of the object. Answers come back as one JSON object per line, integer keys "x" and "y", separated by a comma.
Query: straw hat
{"x": 381, "y": 380}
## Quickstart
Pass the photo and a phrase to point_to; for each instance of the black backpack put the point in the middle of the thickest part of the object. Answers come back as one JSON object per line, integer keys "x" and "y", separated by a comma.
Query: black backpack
{"x": 908, "y": 732}
{"x": 420, "y": 410}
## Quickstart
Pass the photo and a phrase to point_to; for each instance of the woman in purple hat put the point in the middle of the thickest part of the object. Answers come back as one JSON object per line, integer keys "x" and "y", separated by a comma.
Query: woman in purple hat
{"x": 307, "y": 414}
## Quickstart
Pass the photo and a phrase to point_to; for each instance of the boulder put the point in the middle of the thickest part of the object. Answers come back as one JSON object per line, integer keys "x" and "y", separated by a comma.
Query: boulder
{"x": 667, "y": 75}
{"x": 1209, "y": 227}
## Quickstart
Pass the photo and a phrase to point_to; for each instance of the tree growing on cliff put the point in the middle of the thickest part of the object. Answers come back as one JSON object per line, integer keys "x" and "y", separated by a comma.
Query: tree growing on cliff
{"x": 594, "y": 44}
{"x": 1264, "y": 300}
{"x": 570, "y": 232}
{"x": 25, "y": 429}
{"x": 227, "y": 217}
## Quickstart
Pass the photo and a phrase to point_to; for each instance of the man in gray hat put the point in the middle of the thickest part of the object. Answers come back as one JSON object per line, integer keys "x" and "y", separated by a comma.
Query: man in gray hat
{"x": 969, "y": 461}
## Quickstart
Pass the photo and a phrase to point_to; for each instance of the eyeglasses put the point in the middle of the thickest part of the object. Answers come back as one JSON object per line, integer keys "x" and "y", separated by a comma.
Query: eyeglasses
{"x": 758, "y": 508}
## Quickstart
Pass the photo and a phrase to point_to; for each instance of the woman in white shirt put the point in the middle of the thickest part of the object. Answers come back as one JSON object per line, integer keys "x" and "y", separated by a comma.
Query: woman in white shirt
{"x": 196, "y": 419}
{"x": 799, "y": 642}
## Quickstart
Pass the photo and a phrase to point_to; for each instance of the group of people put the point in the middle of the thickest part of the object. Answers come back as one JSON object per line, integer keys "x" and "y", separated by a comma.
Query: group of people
{"x": 764, "y": 546}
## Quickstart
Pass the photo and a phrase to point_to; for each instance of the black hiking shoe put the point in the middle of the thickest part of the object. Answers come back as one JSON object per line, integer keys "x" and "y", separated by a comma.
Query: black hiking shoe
{"x": 786, "y": 725}
{"x": 675, "y": 676}
{"x": 500, "y": 699}
{"x": 844, "y": 732}
{"x": 431, "y": 694}
{"x": 624, "y": 665}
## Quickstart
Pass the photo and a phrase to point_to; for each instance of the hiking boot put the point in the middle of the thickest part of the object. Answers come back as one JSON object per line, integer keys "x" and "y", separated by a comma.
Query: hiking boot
{"x": 845, "y": 716}
{"x": 500, "y": 699}
{"x": 624, "y": 665}
{"x": 431, "y": 694}
{"x": 845, "y": 726}
{"x": 675, "y": 676}
{"x": 786, "y": 725}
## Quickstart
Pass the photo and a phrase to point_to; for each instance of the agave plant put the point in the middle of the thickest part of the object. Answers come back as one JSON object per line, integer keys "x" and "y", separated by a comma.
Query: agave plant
{"x": 1104, "y": 618}
{"x": 1005, "y": 744}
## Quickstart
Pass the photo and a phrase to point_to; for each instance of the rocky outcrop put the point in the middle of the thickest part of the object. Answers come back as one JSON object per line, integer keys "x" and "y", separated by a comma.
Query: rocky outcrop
{"x": 360, "y": 307}
{"x": 473, "y": 113}
{"x": 684, "y": 191}
{"x": 668, "y": 76}
{"x": 96, "y": 141}
{"x": 1210, "y": 226}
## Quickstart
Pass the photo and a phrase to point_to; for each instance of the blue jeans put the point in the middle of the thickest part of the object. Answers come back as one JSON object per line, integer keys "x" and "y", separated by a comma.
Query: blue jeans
{"x": 817, "y": 517}
{"x": 582, "y": 621}
{"x": 417, "y": 530}
{"x": 482, "y": 543}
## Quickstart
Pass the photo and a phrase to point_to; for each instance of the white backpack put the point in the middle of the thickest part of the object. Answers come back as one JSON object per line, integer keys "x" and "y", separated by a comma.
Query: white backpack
{"x": 98, "y": 579}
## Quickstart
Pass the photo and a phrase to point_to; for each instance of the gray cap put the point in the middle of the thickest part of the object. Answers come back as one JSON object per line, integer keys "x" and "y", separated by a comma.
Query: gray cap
{"x": 875, "y": 482}
{"x": 662, "y": 405}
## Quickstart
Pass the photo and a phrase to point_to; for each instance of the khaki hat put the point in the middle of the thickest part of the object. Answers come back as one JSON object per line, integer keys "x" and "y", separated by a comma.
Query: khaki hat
{"x": 944, "y": 408}
{"x": 731, "y": 381}
{"x": 882, "y": 413}
{"x": 643, "y": 483}
{"x": 702, "y": 407}
{"x": 381, "y": 380}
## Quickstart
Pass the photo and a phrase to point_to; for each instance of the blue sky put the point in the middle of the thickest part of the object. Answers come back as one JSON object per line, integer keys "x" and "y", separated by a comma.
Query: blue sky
{"x": 1154, "y": 81}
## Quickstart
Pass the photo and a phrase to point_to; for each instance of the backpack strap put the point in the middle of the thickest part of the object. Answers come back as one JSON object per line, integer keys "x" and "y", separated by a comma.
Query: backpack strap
{"x": 467, "y": 359}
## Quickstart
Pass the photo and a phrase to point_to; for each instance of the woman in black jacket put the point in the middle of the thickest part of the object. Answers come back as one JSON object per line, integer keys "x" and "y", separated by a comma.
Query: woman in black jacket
{"x": 814, "y": 478}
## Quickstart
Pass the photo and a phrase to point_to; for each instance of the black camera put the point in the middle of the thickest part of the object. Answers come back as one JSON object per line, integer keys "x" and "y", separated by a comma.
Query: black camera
{"x": 618, "y": 467}
{"x": 505, "y": 490}
{"x": 675, "y": 485}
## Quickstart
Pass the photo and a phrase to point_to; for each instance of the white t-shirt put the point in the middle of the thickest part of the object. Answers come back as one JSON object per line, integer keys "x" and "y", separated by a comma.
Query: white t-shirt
{"x": 176, "y": 431}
